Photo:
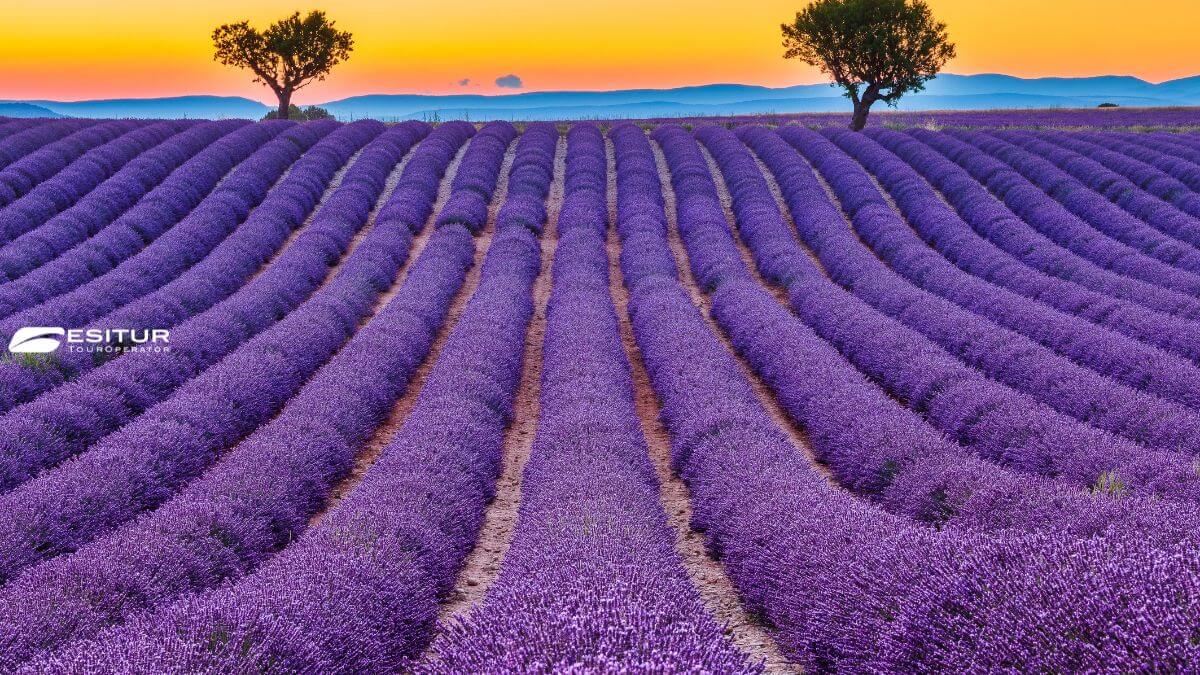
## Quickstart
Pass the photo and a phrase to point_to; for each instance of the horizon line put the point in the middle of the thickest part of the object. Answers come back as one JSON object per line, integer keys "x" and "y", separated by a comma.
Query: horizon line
{"x": 269, "y": 103}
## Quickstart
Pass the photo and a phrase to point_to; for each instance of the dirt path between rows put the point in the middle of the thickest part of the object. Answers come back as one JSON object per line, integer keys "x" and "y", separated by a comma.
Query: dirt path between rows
{"x": 403, "y": 406}
{"x": 707, "y": 575}
{"x": 482, "y": 565}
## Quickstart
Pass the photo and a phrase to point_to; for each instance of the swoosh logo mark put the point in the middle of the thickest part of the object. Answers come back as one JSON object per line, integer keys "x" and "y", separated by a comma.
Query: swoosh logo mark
{"x": 36, "y": 340}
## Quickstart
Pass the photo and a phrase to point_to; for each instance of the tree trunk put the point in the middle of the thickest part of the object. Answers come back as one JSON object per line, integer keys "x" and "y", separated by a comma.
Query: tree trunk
{"x": 859, "y": 120}
{"x": 285, "y": 105}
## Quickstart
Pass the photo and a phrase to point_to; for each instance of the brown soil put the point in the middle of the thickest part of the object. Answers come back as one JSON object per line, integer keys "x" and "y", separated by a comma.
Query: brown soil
{"x": 384, "y": 433}
{"x": 716, "y": 590}
{"x": 483, "y": 564}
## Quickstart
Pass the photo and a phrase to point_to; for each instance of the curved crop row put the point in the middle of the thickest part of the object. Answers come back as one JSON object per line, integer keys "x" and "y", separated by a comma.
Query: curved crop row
{"x": 1056, "y": 380}
{"x": 995, "y": 422}
{"x": 30, "y": 139}
{"x": 215, "y": 276}
{"x": 50, "y": 428}
{"x": 641, "y": 215}
{"x": 699, "y": 215}
{"x": 1125, "y": 182}
{"x": 592, "y": 563}
{"x": 529, "y": 180}
{"x": 259, "y": 497}
{"x": 585, "y": 181}
{"x": 946, "y": 231}
{"x": 256, "y": 155}
{"x": 852, "y": 588}
{"x": 10, "y": 126}
{"x": 1184, "y": 140}
{"x": 471, "y": 191}
{"x": 239, "y": 513}
{"x": 289, "y": 204}
{"x": 358, "y": 592}
{"x": 995, "y": 222}
{"x": 874, "y": 445}
{"x": 1165, "y": 145}
{"x": 885, "y": 452}
{"x": 1129, "y": 367}
{"x": 1078, "y": 196}
{"x": 43, "y": 224}
{"x": 148, "y": 460}
{"x": 1020, "y": 191}
{"x": 1166, "y": 176}
{"x": 109, "y": 285}
{"x": 51, "y": 195}
{"x": 18, "y": 178}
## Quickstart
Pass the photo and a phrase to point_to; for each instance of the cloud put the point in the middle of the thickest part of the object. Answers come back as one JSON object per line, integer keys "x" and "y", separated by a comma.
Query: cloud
{"x": 464, "y": 82}
{"x": 509, "y": 82}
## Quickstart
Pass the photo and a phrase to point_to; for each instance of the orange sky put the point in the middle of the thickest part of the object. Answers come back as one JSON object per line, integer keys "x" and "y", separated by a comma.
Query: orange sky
{"x": 79, "y": 49}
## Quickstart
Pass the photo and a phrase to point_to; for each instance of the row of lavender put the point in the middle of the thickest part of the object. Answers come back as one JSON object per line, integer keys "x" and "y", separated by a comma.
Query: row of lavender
{"x": 198, "y": 306}
{"x": 873, "y": 445}
{"x": 231, "y": 520}
{"x": 983, "y": 416}
{"x": 827, "y": 613}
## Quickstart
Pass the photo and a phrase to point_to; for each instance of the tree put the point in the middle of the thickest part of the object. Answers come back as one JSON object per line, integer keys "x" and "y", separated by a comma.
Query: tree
{"x": 877, "y": 50}
{"x": 287, "y": 56}
{"x": 305, "y": 114}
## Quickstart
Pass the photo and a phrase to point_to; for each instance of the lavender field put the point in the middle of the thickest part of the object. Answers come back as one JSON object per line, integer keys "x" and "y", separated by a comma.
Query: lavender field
{"x": 702, "y": 397}
{"x": 1121, "y": 119}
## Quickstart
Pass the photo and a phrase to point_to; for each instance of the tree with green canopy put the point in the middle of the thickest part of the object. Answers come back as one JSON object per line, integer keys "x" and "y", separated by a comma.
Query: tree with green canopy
{"x": 877, "y": 50}
{"x": 288, "y": 55}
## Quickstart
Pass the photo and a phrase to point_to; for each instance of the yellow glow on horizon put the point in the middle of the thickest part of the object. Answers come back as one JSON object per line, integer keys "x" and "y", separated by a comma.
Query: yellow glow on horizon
{"x": 78, "y": 49}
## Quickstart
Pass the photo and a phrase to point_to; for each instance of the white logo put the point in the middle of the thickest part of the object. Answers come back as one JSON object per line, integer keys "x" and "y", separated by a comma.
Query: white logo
{"x": 47, "y": 339}
{"x": 36, "y": 340}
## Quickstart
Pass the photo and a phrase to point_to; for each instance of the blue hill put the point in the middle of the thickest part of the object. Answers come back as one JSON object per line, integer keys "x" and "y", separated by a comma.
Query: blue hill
{"x": 946, "y": 92}
{"x": 209, "y": 107}
{"x": 15, "y": 109}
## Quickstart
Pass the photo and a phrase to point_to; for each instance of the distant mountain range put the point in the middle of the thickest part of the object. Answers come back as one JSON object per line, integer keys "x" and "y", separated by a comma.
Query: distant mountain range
{"x": 946, "y": 92}
{"x": 17, "y": 109}
{"x": 208, "y": 107}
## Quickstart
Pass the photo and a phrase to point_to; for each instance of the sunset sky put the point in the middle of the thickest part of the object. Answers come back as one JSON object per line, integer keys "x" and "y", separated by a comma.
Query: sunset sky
{"x": 82, "y": 49}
